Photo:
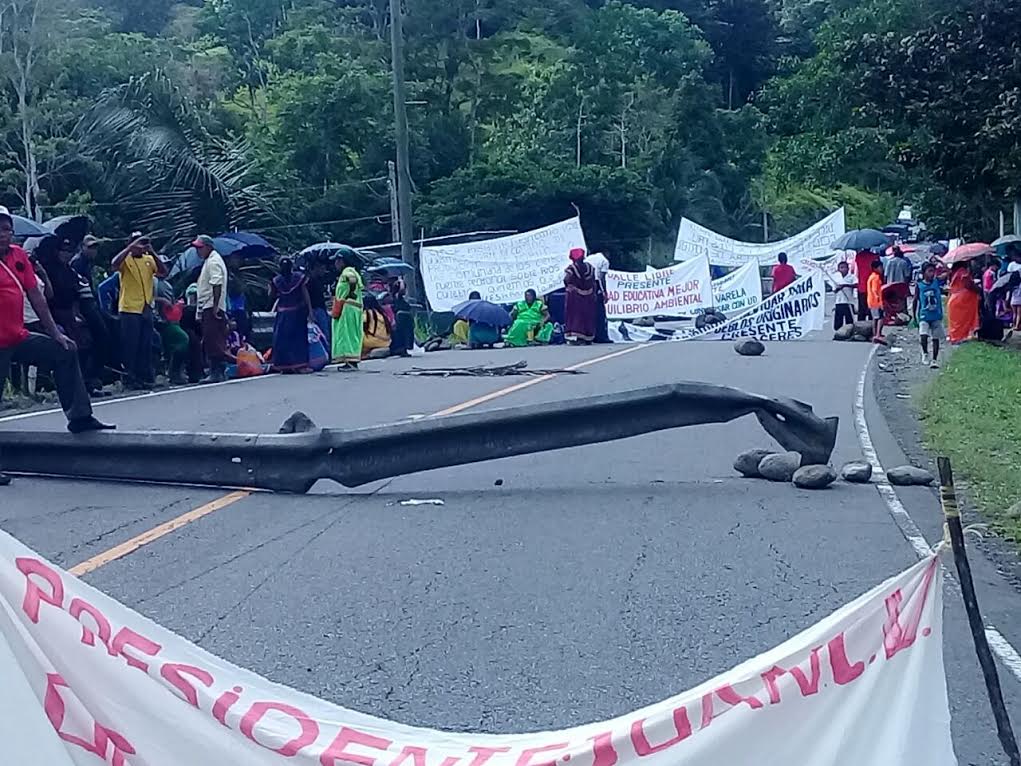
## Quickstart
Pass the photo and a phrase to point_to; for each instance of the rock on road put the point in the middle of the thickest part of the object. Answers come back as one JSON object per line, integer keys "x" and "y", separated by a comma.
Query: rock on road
{"x": 549, "y": 590}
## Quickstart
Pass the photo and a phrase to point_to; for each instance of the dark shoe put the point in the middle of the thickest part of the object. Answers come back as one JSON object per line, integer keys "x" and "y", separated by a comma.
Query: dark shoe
{"x": 4, "y": 480}
{"x": 216, "y": 377}
{"x": 85, "y": 425}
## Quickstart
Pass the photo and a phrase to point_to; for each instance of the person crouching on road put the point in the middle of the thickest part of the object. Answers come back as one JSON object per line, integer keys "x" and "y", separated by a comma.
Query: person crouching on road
{"x": 875, "y": 301}
{"x": 54, "y": 350}
{"x": 212, "y": 308}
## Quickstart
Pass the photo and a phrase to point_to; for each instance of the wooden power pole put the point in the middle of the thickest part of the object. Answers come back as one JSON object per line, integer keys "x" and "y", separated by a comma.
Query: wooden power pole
{"x": 407, "y": 235}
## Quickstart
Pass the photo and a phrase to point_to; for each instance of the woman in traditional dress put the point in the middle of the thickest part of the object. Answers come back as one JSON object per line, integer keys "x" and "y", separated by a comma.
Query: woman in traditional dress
{"x": 963, "y": 305}
{"x": 348, "y": 329}
{"x": 531, "y": 322}
{"x": 580, "y": 309}
{"x": 377, "y": 326}
{"x": 289, "y": 290}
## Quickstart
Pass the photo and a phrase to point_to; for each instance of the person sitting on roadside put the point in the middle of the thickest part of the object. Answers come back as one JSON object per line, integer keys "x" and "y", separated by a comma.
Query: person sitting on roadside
{"x": 54, "y": 351}
{"x": 784, "y": 274}
{"x": 531, "y": 322}
{"x": 875, "y": 300}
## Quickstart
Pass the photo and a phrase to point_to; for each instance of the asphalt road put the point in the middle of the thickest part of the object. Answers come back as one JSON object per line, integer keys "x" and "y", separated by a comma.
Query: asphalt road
{"x": 589, "y": 583}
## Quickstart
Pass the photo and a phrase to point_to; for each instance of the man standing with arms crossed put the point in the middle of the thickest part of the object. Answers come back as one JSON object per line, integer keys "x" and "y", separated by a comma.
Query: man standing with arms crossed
{"x": 212, "y": 308}
{"x": 54, "y": 351}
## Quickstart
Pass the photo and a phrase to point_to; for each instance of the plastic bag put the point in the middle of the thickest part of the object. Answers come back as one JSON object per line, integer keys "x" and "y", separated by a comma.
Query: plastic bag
{"x": 318, "y": 355}
{"x": 249, "y": 363}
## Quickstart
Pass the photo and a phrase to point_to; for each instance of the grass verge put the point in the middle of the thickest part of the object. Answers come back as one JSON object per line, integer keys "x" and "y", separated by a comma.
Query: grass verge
{"x": 972, "y": 414}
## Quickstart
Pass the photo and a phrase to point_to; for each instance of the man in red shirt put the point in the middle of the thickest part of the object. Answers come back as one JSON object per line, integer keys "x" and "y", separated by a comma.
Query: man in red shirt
{"x": 54, "y": 351}
{"x": 783, "y": 274}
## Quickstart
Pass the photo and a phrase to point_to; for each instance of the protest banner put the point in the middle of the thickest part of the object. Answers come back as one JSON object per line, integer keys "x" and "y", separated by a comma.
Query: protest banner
{"x": 500, "y": 269}
{"x": 739, "y": 291}
{"x": 865, "y": 686}
{"x": 678, "y": 290}
{"x": 694, "y": 241}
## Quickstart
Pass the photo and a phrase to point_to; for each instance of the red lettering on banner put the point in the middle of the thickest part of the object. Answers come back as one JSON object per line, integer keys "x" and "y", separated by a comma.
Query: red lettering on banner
{"x": 525, "y": 759}
{"x": 224, "y": 703}
{"x": 174, "y": 674}
{"x": 731, "y": 697}
{"x": 844, "y": 672}
{"x": 484, "y": 754}
{"x": 77, "y": 608}
{"x": 127, "y": 637}
{"x": 102, "y": 737}
{"x": 807, "y": 686}
{"x": 417, "y": 755}
{"x": 33, "y": 593}
{"x": 337, "y": 751}
{"x": 897, "y": 637}
{"x": 603, "y": 751}
{"x": 309, "y": 728}
{"x": 682, "y": 725}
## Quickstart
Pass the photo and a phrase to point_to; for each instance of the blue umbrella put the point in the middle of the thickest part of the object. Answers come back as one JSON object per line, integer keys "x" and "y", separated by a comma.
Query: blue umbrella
{"x": 391, "y": 267}
{"x": 483, "y": 312}
{"x": 26, "y": 227}
{"x": 862, "y": 239}
{"x": 235, "y": 243}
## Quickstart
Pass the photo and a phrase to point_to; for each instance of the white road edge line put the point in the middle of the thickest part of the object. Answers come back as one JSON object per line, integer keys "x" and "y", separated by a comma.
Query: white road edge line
{"x": 136, "y": 397}
{"x": 1003, "y": 649}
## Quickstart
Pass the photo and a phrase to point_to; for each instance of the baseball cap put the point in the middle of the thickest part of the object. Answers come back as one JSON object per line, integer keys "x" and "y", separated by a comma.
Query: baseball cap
{"x": 5, "y": 213}
{"x": 204, "y": 240}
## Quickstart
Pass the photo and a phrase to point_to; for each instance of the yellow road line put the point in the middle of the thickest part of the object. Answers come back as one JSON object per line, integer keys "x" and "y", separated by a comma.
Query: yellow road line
{"x": 132, "y": 545}
{"x": 154, "y": 534}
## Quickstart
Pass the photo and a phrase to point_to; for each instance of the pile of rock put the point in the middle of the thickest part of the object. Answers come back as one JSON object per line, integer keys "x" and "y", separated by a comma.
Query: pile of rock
{"x": 787, "y": 467}
{"x": 860, "y": 332}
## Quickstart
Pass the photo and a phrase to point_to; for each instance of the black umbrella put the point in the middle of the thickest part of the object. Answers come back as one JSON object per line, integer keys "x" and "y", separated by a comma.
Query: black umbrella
{"x": 72, "y": 227}
{"x": 862, "y": 239}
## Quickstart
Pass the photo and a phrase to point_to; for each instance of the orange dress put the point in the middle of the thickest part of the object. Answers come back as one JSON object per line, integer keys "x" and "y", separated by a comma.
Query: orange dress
{"x": 962, "y": 307}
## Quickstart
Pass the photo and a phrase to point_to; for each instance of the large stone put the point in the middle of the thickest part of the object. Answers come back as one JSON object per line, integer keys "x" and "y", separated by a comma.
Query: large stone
{"x": 781, "y": 467}
{"x": 814, "y": 477}
{"x": 910, "y": 476}
{"x": 749, "y": 347}
{"x": 858, "y": 472}
{"x": 845, "y": 333}
{"x": 710, "y": 318}
{"x": 747, "y": 463}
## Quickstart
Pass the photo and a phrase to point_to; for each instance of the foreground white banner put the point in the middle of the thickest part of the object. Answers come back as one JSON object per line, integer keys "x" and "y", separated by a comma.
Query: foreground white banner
{"x": 675, "y": 291}
{"x": 865, "y": 686}
{"x": 500, "y": 269}
{"x": 694, "y": 241}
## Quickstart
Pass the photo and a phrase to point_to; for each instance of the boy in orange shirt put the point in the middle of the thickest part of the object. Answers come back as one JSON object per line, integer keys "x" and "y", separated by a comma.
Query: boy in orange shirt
{"x": 875, "y": 300}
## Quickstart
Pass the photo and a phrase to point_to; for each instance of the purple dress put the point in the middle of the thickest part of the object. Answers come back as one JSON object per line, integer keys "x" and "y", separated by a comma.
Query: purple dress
{"x": 580, "y": 308}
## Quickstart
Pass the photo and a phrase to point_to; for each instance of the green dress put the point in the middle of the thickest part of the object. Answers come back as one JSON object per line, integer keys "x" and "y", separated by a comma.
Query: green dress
{"x": 348, "y": 328}
{"x": 529, "y": 321}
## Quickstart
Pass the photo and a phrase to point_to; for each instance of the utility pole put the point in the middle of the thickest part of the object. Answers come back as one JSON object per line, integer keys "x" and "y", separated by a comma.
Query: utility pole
{"x": 395, "y": 212}
{"x": 407, "y": 235}
{"x": 765, "y": 226}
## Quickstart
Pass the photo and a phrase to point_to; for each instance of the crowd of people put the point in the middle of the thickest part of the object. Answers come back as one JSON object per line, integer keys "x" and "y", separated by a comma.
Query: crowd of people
{"x": 976, "y": 298}
{"x": 60, "y": 314}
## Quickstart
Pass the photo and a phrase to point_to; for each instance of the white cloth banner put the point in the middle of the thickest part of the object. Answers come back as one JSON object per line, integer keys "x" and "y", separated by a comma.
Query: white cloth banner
{"x": 739, "y": 291}
{"x": 791, "y": 314}
{"x": 694, "y": 241}
{"x": 866, "y": 686}
{"x": 677, "y": 290}
{"x": 500, "y": 269}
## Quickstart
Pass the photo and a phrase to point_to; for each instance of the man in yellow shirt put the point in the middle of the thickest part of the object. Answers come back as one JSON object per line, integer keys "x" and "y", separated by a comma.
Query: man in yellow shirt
{"x": 138, "y": 267}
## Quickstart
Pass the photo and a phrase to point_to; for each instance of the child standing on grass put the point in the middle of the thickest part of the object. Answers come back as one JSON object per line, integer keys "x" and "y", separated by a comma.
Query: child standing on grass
{"x": 875, "y": 301}
{"x": 929, "y": 313}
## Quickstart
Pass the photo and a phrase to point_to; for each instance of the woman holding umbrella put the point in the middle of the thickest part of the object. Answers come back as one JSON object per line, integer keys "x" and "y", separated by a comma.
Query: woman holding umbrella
{"x": 348, "y": 328}
{"x": 965, "y": 293}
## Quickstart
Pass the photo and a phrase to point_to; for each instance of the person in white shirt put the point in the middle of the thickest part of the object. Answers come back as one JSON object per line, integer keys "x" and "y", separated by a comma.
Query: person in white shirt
{"x": 601, "y": 264}
{"x": 212, "y": 308}
{"x": 845, "y": 286}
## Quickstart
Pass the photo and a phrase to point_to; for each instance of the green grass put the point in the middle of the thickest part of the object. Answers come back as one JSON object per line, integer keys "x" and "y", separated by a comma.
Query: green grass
{"x": 972, "y": 414}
